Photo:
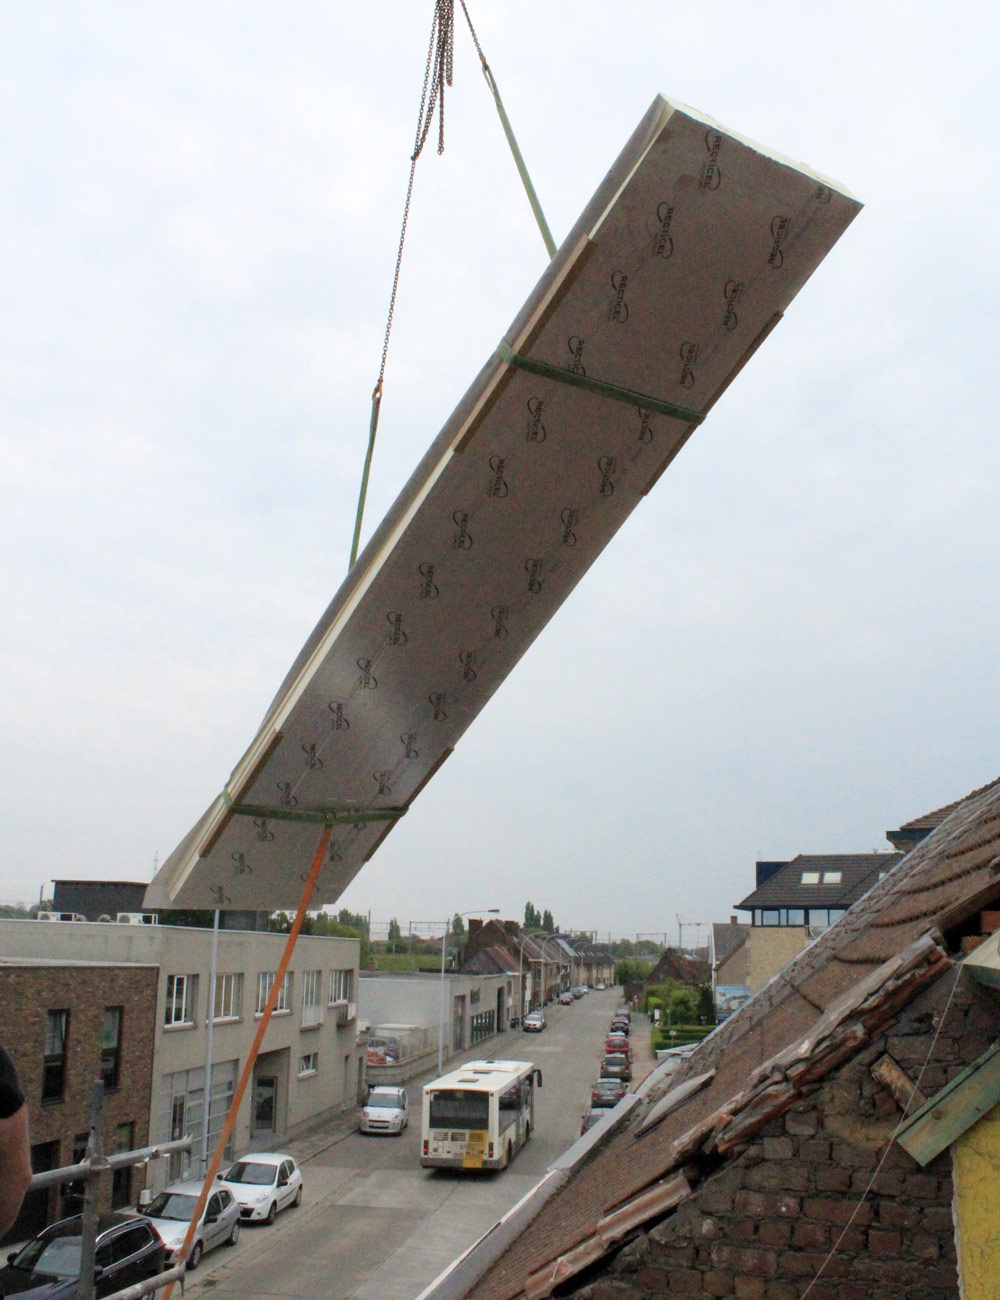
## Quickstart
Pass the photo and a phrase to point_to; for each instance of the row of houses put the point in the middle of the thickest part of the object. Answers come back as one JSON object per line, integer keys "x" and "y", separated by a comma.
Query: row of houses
{"x": 130, "y": 1005}
{"x": 836, "y": 1137}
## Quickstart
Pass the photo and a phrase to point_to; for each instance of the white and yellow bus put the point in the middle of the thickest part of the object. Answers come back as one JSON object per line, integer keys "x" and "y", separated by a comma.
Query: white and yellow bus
{"x": 479, "y": 1116}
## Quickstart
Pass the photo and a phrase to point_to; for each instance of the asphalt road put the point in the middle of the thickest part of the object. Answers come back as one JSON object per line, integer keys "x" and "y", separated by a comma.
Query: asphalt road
{"x": 374, "y": 1225}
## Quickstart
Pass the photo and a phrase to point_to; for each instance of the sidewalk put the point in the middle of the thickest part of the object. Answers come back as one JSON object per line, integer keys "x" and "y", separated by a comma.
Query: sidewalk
{"x": 644, "y": 1060}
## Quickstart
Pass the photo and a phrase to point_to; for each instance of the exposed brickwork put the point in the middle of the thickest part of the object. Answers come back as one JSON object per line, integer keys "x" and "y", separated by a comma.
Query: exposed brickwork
{"x": 799, "y": 1205}
{"x": 27, "y": 993}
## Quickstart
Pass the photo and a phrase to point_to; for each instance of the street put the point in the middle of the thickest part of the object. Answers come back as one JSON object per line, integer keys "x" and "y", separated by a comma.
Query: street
{"x": 374, "y": 1225}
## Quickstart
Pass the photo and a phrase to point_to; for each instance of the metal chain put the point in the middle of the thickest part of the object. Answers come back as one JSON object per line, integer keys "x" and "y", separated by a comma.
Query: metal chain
{"x": 440, "y": 58}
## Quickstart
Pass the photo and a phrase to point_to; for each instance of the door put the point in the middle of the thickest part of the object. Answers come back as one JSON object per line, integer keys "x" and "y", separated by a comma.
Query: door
{"x": 265, "y": 1104}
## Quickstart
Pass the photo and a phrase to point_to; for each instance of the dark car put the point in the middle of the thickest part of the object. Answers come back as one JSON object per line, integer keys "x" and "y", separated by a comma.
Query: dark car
{"x": 616, "y": 1066}
{"x": 128, "y": 1250}
{"x": 607, "y": 1092}
{"x": 621, "y": 1026}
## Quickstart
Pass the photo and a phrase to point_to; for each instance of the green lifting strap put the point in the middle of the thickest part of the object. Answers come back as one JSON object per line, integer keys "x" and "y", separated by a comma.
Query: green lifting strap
{"x": 642, "y": 400}
{"x": 322, "y": 816}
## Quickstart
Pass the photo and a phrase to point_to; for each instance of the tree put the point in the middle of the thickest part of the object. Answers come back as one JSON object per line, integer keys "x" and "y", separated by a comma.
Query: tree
{"x": 458, "y": 926}
{"x": 532, "y": 921}
{"x": 394, "y": 931}
{"x": 548, "y": 925}
{"x": 356, "y": 919}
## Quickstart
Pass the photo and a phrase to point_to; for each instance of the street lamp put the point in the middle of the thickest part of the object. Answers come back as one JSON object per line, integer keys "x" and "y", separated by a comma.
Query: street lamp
{"x": 542, "y": 963}
{"x": 444, "y": 951}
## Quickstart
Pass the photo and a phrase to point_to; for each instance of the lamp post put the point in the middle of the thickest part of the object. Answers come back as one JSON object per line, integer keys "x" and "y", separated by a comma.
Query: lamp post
{"x": 444, "y": 952}
{"x": 542, "y": 963}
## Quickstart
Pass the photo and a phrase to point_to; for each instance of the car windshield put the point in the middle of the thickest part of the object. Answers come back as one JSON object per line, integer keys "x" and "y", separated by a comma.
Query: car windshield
{"x": 384, "y": 1097}
{"x": 172, "y": 1205}
{"x": 55, "y": 1256}
{"x": 249, "y": 1171}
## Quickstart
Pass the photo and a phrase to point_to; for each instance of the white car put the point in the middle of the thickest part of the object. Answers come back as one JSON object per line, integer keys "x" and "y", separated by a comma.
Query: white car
{"x": 385, "y": 1111}
{"x": 263, "y": 1183}
{"x": 170, "y": 1213}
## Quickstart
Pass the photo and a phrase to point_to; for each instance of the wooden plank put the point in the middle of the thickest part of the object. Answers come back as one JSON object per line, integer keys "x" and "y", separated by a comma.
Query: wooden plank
{"x": 954, "y": 1109}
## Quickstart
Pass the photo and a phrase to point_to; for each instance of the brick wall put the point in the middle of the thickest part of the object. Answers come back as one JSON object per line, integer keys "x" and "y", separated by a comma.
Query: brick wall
{"x": 27, "y": 993}
{"x": 800, "y": 1202}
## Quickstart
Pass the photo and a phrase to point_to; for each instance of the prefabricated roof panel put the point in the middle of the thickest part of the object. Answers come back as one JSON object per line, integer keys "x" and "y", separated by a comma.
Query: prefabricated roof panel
{"x": 678, "y": 268}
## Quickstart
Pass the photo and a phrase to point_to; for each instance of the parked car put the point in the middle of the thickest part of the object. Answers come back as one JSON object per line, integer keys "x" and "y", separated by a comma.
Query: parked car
{"x": 600, "y": 987}
{"x": 170, "y": 1213}
{"x": 385, "y": 1111}
{"x": 591, "y": 1118}
{"x": 607, "y": 1092}
{"x": 577, "y": 991}
{"x": 616, "y": 1066}
{"x": 263, "y": 1183}
{"x": 617, "y": 1043}
{"x": 129, "y": 1250}
{"x": 534, "y": 1022}
{"x": 566, "y": 999}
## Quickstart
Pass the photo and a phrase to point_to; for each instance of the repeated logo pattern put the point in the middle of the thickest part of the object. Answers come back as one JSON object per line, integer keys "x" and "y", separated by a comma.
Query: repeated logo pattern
{"x": 428, "y": 587}
{"x": 495, "y": 463}
{"x": 498, "y": 484}
{"x": 535, "y": 431}
{"x": 619, "y": 307}
{"x": 663, "y": 244}
{"x": 462, "y": 539}
{"x": 711, "y": 175}
{"x": 779, "y": 233}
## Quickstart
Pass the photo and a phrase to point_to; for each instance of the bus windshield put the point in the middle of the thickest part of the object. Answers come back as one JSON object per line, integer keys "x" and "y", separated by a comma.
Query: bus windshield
{"x": 459, "y": 1108}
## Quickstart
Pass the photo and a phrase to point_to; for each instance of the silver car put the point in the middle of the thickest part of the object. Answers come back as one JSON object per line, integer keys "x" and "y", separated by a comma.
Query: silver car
{"x": 170, "y": 1213}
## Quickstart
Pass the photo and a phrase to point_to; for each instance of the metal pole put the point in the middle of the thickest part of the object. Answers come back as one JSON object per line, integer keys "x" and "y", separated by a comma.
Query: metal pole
{"x": 206, "y": 1096}
{"x": 88, "y": 1227}
{"x": 444, "y": 949}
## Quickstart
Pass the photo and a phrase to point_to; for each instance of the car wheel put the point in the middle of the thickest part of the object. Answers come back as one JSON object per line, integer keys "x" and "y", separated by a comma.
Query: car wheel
{"x": 298, "y": 1196}
{"x": 194, "y": 1259}
{"x": 234, "y": 1236}
{"x": 272, "y": 1212}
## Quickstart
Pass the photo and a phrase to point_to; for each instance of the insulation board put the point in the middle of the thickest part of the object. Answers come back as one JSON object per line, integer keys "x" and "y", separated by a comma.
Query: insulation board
{"x": 679, "y": 267}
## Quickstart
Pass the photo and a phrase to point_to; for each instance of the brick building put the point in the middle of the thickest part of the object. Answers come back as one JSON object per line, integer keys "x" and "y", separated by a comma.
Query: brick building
{"x": 837, "y": 1137}
{"x": 66, "y": 1024}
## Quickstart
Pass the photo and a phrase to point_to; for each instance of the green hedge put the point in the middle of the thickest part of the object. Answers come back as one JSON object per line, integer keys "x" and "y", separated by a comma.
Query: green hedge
{"x": 660, "y": 1035}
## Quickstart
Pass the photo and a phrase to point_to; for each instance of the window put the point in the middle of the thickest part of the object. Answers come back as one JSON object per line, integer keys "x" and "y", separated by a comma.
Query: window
{"x": 796, "y": 916}
{"x": 770, "y": 916}
{"x": 54, "y": 1068}
{"x": 831, "y": 877}
{"x": 228, "y": 997}
{"x": 819, "y": 916}
{"x": 121, "y": 1179}
{"x": 810, "y": 878}
{"x": 111, "y": 1042}
{"x": 340, "y": 985}
{"x": 265, "y": 983}
{"x": 307, "y": 1064}
{"x": 312, "y": 1010}
{"x": 182, "y": 992}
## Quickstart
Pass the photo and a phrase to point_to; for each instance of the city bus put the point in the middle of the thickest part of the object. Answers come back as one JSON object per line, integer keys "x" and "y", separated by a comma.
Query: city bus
{"x": 479, "y": 1116}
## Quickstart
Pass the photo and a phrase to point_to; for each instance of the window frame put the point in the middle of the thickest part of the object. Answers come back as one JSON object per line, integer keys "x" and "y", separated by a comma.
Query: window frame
{"x": 54, "y": 1062}
{"x": 308, "y": 1065}
{"x": 228, "y": 997}
{"x": 179, "y": 1013}
{"x": 340, "y": 978}
{"x": 312, "y": 1008}
{"x": 265, "y": 982}
{"x": 111, "y": 1054}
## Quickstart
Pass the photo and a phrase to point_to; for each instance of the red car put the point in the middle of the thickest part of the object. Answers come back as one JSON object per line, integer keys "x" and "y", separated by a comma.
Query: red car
{"x": 617, "y": 1043}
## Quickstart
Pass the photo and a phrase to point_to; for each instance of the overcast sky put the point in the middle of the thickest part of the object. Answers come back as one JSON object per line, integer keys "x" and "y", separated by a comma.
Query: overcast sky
{"x": 790, "y": 647}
